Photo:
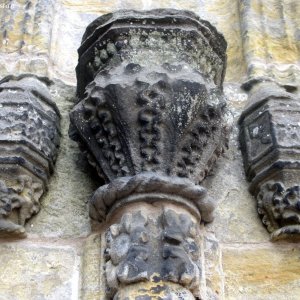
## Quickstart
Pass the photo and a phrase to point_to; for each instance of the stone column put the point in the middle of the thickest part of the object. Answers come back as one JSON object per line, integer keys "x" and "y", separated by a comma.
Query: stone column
{"x": 269, "y": 125}
{"x": 29, "y": 140}
{"x": 151, "y": 119}
{"x": 270, "y": 141}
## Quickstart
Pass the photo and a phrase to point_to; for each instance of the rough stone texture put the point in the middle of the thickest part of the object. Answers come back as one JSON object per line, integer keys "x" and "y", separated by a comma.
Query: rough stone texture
{"x": 150, "y": 187}
{"x": 271, "y": 41}
{"x": 92, "y": 286}
{"x": 146, "y": 118}
{"x": 153, "y": 243}
{"x": 26, "y": 28}
{"x": 29, "y": 141}
{"x": 236, "y": 225}
{"x": 261, "y": 272}
{"x": 70, "y": 186}
{"x": 38, "y": 271}
{"x": 269, "y": 135}
{"x": 58, "y": 32}
{"x": 153, "y": 129}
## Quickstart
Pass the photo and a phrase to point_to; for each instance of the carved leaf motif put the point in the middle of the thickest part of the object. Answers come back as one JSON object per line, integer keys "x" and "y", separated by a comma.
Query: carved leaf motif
{"x": 23, "y": 197}
{"x": 139, "y": 247}
{"x": 279, "y": 207}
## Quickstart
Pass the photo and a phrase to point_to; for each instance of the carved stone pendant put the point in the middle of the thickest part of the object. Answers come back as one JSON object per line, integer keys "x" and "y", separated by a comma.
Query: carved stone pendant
{"x": 29, "y": 140}
{"x": 151, "y": 117}
{"x": 270, "y": 142}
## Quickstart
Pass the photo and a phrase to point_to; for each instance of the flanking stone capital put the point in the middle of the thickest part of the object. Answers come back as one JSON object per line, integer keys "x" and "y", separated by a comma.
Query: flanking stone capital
{"x": 151, "y": 118}
{"x": 29, "y": 140}
{"x": 270, "y": 143}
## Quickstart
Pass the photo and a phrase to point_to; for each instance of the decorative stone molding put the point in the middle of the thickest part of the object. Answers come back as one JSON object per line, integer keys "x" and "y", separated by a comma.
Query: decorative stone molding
{"x": 270, "y": 41}
{"x": 151, "y": 118}
{"x": 270, "y": 142}
{"x": 29, "y": 140}
{"x": 27, "y": 36}
{"x": 161, "y": 245}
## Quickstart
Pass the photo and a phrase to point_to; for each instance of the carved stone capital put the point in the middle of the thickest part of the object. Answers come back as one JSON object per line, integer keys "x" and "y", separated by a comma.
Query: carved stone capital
{"x": 280, "y": 209}
{"x": 150, "y": 187}
{"x": 151, "y": 118}
{"x": 29, "y": 140}
{"x": 270, "y": 142}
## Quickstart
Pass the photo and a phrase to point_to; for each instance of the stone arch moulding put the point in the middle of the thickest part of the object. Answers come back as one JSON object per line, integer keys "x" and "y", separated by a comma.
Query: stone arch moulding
{"x": 29, "y": 141}
{"x": 152, "y": 119}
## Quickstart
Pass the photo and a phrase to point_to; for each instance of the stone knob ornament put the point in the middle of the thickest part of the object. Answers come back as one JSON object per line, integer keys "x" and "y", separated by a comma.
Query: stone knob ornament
{"x": 152, "y": 119}
{"x": 29, "y": 141}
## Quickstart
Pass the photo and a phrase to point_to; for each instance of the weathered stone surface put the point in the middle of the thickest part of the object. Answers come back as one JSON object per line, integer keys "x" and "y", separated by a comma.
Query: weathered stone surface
{"x": 153, "y": 130}
{"x": 262, "y": 272}
{"x": 213, "y": 269}
{"x": 38, "y": 271}
{"x": 29, "y": 141}
{"x": 135, "y": 120}
{"x": 265, "y": 32}
{"x": 269, "y": 135}
{"x": 271, "y": 41}
{"x": 92, "y": 286}
{"x": 236, "y": 219}
{"x": 152, "y": 290}
{"x": 55, "y": 35}
{"x": 150, "y": 187}
{"x": 25, "y": 38}
{"x": 153, "y": 243}
{"x": 64, "y": 212}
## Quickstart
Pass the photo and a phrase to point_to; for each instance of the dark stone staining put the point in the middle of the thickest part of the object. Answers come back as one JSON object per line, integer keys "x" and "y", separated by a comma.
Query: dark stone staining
{"x": 151, "y": 118}
{"x": 156, "y": 278}
{"x": 135, "y": 252}
{"x": 158, "y": 289}
{"x": 29, "y": 141}
{"x": 145, "y": 297}
{"x": 280, "y": 209}
{"x": 271, "y": 159}
{"x": 177, "y": 106}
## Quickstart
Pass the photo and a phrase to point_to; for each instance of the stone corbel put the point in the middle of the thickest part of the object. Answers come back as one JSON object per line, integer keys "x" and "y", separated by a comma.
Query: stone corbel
{"x": 151, "y": 118}
{"x": 29, "y": 140}
{"x": 270, "y": 143}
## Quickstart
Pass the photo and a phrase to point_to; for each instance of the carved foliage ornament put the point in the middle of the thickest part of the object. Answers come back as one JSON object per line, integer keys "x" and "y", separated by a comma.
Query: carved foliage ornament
{"x": 151, "y": 118}
{"x": 140, "y": 246}
{"x": 150, "y": 95}
{"x": 29, "y": 140}
{"x": 270, "y": 144}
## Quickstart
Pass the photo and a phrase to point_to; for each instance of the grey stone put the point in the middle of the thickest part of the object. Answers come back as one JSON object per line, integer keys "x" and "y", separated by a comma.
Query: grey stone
{"x": 151, "y": 118}
{"x": 29, "y": 141}
{"x": 270, "y": 140}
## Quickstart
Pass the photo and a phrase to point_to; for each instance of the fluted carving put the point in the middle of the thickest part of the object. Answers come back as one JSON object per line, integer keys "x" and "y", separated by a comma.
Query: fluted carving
{"x": 29, "y": 140}
{"x": 151, "y": 118}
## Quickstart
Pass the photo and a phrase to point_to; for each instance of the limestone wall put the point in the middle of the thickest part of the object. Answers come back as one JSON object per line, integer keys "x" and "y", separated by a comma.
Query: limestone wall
{"x": 61, "y": 257}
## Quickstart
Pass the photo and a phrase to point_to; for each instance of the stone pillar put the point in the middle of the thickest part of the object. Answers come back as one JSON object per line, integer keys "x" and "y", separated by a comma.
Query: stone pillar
{"x": 151, "y": 119}
{"x": 270, "y": 141}
{"x": 269, "y": 125}
{"x": 29, "y": 140}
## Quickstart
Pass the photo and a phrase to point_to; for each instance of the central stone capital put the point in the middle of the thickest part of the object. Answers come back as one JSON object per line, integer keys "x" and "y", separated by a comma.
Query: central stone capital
{"x": 151, "y": 117}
